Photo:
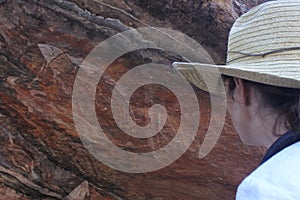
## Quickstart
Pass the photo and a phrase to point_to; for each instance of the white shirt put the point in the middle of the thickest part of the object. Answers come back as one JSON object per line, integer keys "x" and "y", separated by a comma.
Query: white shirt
{"x": 277, "y": 178}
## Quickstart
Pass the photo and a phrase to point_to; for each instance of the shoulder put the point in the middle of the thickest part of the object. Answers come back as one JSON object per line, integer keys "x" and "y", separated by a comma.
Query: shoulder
{"x": 278, "y": 178}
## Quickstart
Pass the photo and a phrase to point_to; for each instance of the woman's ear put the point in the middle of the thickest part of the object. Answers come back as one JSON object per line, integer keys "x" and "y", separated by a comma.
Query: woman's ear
{"x": 242, "y": 92}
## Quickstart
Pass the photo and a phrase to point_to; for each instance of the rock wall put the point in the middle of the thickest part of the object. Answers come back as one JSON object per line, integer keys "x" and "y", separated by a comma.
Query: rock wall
{"x": 42, "y": 44}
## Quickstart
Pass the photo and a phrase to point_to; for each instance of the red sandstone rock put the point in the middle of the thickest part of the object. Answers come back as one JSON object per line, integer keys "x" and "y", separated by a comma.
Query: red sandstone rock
{"x": 41, "y": 155}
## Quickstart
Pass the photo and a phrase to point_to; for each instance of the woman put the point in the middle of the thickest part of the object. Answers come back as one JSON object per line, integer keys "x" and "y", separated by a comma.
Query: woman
{"x": 262, "y": 82}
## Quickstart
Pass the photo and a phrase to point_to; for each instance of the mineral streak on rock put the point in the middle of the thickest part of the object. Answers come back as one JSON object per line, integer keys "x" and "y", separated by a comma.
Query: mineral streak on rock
{"x": 42, "y": 44}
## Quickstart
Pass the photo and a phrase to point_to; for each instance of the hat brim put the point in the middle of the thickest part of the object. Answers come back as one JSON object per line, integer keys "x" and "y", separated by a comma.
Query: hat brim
{"x": 207, "y": 77}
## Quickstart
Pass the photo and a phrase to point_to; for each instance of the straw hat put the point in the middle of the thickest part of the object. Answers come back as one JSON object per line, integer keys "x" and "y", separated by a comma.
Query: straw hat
{"x": 263, "y": 46}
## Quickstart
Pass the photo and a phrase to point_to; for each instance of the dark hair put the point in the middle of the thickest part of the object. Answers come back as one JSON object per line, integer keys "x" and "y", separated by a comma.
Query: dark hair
{"x": 284, "y": 101}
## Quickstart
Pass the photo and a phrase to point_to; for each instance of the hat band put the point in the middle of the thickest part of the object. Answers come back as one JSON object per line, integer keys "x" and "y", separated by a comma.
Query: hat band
{"x": 260, "y": 54}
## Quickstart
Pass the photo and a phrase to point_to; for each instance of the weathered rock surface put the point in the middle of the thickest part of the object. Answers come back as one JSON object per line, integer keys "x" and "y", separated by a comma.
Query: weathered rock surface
{"x": 42, "y": 44}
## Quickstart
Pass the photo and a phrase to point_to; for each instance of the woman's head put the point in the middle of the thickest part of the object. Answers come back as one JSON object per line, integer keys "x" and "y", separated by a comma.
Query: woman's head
{"x": 263, "y": 46}
{"x": 272, "y": 107}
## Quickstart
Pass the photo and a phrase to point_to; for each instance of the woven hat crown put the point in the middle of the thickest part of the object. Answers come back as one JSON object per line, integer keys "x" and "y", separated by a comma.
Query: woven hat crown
{"x": 269, "y": 35}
